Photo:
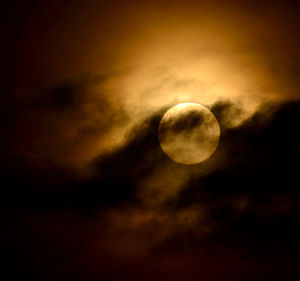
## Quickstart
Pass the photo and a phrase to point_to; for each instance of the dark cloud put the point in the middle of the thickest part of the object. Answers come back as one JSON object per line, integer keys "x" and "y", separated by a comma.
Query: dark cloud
{"x": 62, "y": 124}
{"x": 184, "y": 122}
{"x": 114, "y": 175}
{"x": 227, "y": 112}
{"x": 261, "y": 162}
{"x": 261, "y": 153}
{"x": 250, "y": 198}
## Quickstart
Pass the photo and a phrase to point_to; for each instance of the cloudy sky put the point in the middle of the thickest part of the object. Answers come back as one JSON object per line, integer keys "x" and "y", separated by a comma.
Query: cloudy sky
{"x": 87, "y": 192}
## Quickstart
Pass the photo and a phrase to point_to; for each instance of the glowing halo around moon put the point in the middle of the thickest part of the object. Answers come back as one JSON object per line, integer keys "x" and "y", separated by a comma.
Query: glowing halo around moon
{"x": 189, "y": 133}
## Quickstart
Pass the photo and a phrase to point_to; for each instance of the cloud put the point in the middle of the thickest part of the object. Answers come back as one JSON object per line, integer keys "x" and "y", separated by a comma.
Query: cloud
{"x": 185, "y": 122}
{"x": 66, "y": 124}
{"x": 139, "y": 205}
{"x": 258, "y": 160}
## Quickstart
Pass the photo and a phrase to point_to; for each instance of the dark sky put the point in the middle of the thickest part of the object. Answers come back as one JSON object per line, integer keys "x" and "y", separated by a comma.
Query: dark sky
{"x": 88, "y": 194}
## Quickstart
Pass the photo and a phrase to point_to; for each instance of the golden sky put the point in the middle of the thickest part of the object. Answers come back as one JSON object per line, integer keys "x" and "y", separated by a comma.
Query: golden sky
{"x": 90, "y": 81}
{"x": 142, "y": 56}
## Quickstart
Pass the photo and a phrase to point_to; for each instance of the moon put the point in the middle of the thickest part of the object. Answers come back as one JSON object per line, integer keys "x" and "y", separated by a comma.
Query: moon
{"x": 189, "y": 133}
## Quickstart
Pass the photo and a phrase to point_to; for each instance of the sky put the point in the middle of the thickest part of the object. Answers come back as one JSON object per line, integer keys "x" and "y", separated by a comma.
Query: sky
{"x": 87, "y": 192}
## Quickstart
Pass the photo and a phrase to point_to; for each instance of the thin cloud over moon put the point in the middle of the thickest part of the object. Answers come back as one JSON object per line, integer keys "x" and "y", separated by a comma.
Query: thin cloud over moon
{"x": 189, "y": 133}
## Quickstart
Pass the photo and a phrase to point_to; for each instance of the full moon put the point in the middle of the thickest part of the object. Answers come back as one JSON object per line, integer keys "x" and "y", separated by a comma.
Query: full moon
{"x": 189, "y": 133}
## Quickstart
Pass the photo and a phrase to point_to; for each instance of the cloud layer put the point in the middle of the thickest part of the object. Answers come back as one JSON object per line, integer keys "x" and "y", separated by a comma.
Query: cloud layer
{"x": 234, "y": 211}
{"x": 86, "y": 191}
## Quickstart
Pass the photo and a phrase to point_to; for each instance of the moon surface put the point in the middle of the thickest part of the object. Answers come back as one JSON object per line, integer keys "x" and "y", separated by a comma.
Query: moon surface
{"x": 189, "y": 133}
